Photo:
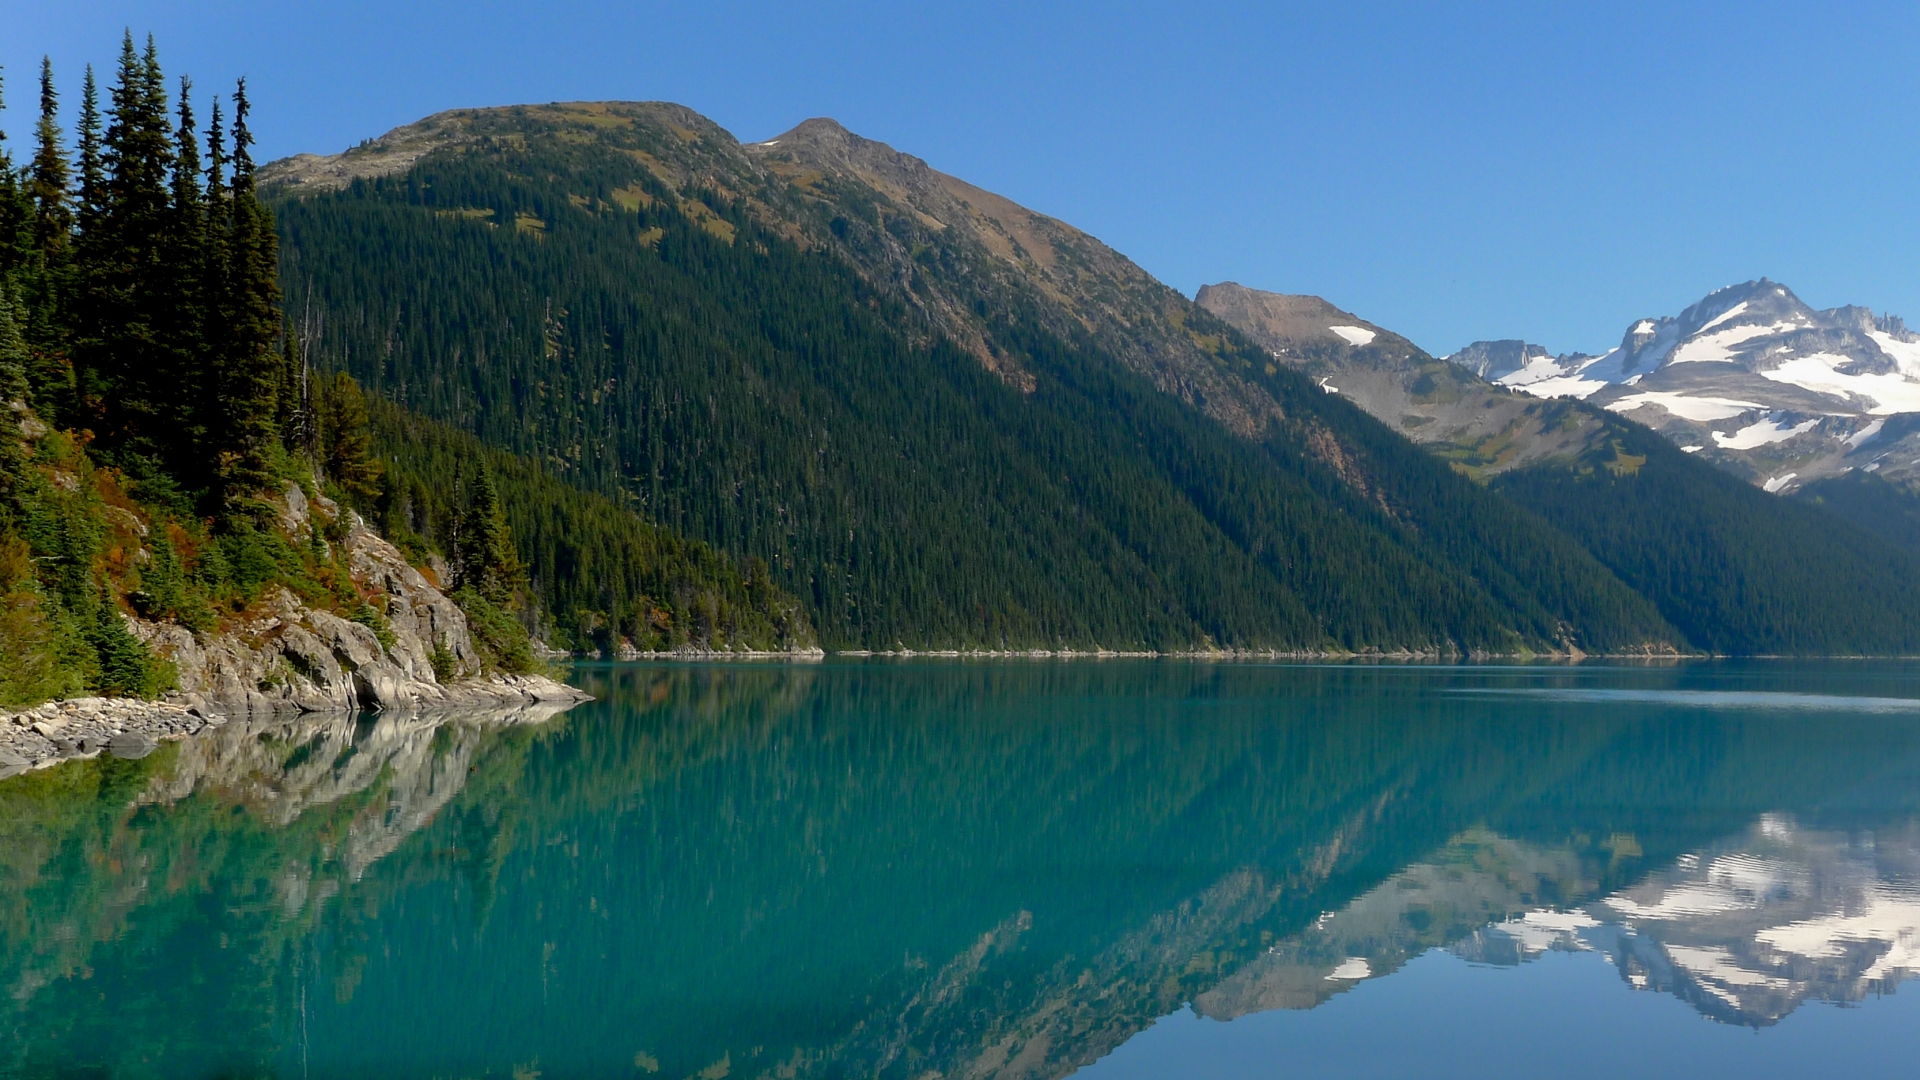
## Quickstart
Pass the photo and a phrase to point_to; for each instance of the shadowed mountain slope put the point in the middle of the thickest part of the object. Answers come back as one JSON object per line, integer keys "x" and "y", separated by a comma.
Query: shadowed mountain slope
{"x": 941, "y": 419}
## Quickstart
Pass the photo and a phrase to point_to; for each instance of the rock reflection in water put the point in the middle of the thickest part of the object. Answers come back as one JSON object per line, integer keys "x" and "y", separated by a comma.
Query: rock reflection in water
{"x": 180, "y": 880}
{"x": 280, "y": 769}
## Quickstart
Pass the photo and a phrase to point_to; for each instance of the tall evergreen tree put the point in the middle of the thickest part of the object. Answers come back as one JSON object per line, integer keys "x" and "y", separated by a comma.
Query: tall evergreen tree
{"x": 183, "y": 285}
{"x": 16, "y": 212}
{"x": 250, "y": 322}
{"x": 13, "y": 388}
{"x": 484, "y": 557}
{"x": 297, "y": 417}
{"x": 48, "y": 177}
{"x": 93, "y": 184}
{"x": 124, "y": 292}
{"x": 47, "y": 281}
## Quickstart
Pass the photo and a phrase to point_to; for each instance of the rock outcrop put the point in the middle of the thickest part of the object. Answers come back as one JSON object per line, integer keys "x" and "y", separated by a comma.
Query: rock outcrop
{"x": 414, "y": 650}
{"x": 283, "y": 655}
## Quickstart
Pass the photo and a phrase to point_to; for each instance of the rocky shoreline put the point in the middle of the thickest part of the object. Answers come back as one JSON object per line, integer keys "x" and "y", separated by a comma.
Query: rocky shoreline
{"x": 409, "y": 648}
{"x": 76, "y": 728}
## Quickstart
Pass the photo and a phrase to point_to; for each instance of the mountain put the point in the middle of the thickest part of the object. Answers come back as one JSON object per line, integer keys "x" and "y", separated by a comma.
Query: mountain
{"x": 939, "y": 418}
{"x": 1750, "y": 378}
{"x": 1480, "y": 428}
{"x": 1736, "y": 570}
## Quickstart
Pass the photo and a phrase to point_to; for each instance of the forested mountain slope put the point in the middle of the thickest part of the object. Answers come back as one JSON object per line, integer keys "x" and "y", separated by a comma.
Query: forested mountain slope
{"x": 977, "y": 429}
{"x": 1736, "y": 569}
{"x": 601, "y": 575}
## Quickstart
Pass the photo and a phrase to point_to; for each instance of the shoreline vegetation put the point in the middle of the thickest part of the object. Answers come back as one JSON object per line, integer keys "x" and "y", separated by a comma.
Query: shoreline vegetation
{"x": 195, "y": 523}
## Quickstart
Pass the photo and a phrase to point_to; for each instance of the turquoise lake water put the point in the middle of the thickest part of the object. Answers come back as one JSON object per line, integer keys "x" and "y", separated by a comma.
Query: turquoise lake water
{"x": 1010, "y": 869}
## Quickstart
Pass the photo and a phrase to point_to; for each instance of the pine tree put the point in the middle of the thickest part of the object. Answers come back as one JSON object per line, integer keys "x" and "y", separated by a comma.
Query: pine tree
{"x": 16, "y": 213}
{"x": 297, "y": 417}
{"x": 47, "y": 280}
{"x": 129, "y": 374}
{"x": 93, "y": 185}
{"x": 13, "y": 389}
{"x": 48, "y": 176}
{"x": 346, "y": 454}
{"x": 250, "y": 313}
{"x": 484, "y": 556}
{"x": 185, "y": 310}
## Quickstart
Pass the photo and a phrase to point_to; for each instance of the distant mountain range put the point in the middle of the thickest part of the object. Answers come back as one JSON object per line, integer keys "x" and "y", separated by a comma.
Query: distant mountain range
{"x": 1752, "y": 378}
{"x": 943, "y": 420}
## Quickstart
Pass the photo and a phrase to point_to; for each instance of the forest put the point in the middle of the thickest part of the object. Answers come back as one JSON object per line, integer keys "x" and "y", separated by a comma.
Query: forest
{"x": 673, "y": 350}
{"x": 156, "y": 406}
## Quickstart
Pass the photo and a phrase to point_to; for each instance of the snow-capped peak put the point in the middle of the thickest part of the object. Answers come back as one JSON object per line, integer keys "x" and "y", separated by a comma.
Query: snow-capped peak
{"x": 1792, "y": 380}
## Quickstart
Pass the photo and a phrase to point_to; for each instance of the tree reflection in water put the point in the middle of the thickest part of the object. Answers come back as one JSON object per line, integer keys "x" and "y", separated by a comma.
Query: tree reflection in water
{"x": 897, "y": 869}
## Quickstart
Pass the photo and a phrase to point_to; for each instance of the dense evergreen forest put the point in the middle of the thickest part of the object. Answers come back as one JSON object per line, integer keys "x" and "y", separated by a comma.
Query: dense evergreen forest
{"x": 155, "y": 409}
{"x": 600, "y": 574}
{"x": 672, "y": 348}
{"x": 1737, "y": 570}
{"x": 1882, "y": 507}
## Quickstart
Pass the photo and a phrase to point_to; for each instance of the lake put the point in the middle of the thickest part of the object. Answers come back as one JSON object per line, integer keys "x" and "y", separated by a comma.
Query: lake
{"x": 1109, "y": 869}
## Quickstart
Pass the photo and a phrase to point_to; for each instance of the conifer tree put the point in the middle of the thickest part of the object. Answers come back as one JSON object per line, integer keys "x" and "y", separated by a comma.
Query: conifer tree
{"x": 122, "y": 257}
{"x": 48, "y": 176}
{"x": 13, "y": 388}
{"x": 93, "y": 193}
{"x": 484, "y": 556}
{"x": 297, "y": 418}
{"x": 183, "y": 287}
{"x": 346, "y": 440}
{"x": 218, "y": 219}
{"x": 13, "y": 357}
{"x": 16, "y": 213}
{"x": 47, "y": 279}
{"x": 250, "y": 312}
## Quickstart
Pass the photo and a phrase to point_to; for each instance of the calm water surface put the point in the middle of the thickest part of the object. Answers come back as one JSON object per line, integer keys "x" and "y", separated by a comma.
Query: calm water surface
{"x": 996, "y": 870}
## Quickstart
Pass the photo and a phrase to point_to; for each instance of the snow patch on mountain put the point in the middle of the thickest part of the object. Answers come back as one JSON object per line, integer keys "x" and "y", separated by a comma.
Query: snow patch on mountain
{"x": 1354, "y": 335}
{"x": 1731, "y": 312}
{"x": 1703, "y": 409}
{"x": 1762, "y": 433}
{"x": 1879, "y": 394}
{"x": 1719, "y": 348}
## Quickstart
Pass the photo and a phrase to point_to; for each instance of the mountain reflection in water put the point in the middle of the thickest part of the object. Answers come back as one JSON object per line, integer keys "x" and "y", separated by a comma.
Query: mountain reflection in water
{"x": 876, "y": 869}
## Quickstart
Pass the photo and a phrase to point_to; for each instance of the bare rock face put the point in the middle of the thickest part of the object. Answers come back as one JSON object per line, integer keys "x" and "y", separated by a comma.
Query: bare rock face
{"x": 422, "y": 616}
{"x": 1446, "y": 405}
{"x": 286, "y": 656}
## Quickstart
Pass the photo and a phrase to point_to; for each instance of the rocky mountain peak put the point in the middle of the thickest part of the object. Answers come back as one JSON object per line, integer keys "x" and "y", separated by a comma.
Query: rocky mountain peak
{"x": 1280, "y": 322}
{"x": 1755, "y": 378}
{"x": 1492, "y": 360}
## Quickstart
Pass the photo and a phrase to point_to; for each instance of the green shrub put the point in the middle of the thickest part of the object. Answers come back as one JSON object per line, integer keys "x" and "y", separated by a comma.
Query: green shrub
{"x": 127, "y": 667}
{"x": 369, "y": 616}
{"x": 444, "y": 666}
{"x": 501, "y": 640}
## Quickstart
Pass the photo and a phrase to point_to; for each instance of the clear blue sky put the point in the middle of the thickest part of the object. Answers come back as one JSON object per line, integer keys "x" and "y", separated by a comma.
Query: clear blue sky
{"x": 1454, "y": 171}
